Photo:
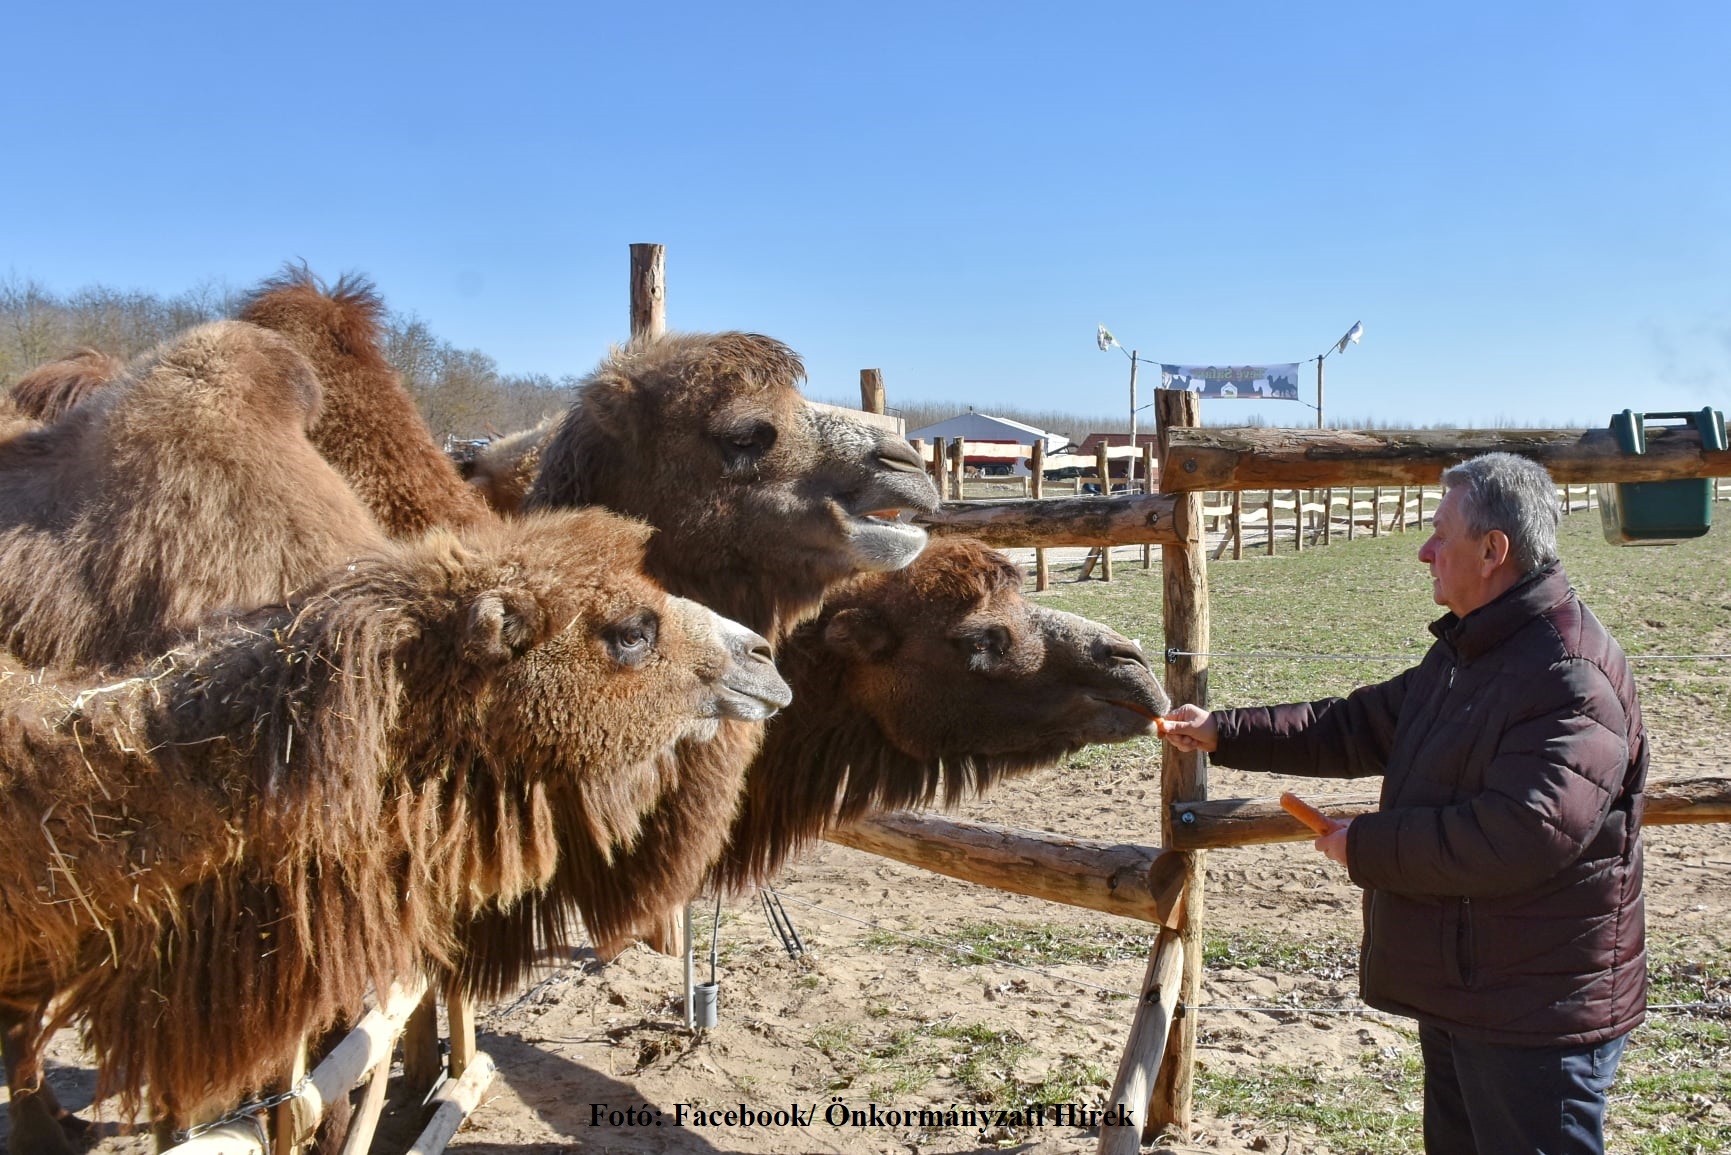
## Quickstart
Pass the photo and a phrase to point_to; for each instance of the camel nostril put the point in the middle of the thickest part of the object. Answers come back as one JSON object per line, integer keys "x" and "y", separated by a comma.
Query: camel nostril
{"x": 1122, "y": 652}
{"x": 900, "y": 456}
{"x": 762, "y": 654}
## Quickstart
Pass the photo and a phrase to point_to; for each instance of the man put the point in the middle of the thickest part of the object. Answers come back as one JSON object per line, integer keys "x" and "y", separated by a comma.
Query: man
{"x": 1502, "y": 870}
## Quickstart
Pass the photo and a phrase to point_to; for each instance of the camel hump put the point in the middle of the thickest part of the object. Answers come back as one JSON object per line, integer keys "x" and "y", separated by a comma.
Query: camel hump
{"x": 218, "y": 374}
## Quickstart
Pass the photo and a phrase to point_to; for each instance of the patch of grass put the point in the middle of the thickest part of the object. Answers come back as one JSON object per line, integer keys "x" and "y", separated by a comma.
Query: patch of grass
{"x": 1022, "y": 943}
{"x": 1073, "y": 1080}
{"x": 1328, "y": 957}
{"x": 1364, "y": 1111}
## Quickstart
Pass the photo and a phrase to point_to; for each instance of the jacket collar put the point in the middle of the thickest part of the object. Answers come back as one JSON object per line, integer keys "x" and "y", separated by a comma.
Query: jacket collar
{"x": 1493, "y": 623}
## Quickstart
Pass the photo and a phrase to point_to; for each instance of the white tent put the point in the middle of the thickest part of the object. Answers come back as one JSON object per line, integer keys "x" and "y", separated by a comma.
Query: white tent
{"x": 977, "y": 427}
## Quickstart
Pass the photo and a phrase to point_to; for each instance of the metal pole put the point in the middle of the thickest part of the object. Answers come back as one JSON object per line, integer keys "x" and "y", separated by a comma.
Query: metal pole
{"x": 1319, "y": 358}
{"x": 690, "y": 972}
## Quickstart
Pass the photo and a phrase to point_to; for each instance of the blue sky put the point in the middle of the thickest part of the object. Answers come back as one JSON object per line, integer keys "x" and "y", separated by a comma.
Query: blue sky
{"x": 1528, "y": 205}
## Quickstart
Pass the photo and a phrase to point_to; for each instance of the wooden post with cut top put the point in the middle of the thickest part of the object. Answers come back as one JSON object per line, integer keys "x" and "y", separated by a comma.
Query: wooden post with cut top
{"x": 1037, "y": 466}
{"x": 871, "y": 390}
{"x": 648, "y": 290}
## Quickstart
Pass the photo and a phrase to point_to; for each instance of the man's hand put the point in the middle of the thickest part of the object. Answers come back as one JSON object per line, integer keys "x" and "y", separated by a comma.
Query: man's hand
{"x": 1333, "y": 844}
{"x": 1191, "y": 728}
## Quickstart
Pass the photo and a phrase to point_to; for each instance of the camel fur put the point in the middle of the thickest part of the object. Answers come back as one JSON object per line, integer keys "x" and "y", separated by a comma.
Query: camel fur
{"x": 49, "y": 390}
{"x": 186, "y": 487}
{"x": 333, "y": 781}
{"x": 504, "y": 469}
{"x": 370, "y": 429}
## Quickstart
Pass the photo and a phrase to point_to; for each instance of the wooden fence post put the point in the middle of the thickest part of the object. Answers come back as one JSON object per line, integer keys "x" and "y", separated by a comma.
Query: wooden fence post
{"x": 648, "y": 290}
{"x": 1376, "y": 512}
{"x": 1037, "y": 463}
{"x": 1183, "y": 777}
{"x": 1237, "y": 526}
{"x": 1351, "y": 512}
{"x": 1328, "y": 516}
{"x": 1268, "y": 520}
{"x": 1148, "y": 486}
{"x": 1144, "y": 1053}
{"x": 871, "y": 390}
{"x": 1103, "y": 462}
{"x": 1402, "y": 514}
{"x": 1298, "y": 521}
{"x": 958, "y": 466}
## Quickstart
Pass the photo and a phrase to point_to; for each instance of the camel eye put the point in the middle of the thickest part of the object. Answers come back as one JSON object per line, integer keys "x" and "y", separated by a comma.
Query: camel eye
{"x": 632, "y": 640}
{"x": 744, "y": 444}
{"x": 985, "y": 644}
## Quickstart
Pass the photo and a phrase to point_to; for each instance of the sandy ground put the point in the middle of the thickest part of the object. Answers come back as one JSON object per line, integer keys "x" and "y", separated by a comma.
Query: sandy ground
{"x": 596, "y": 1057}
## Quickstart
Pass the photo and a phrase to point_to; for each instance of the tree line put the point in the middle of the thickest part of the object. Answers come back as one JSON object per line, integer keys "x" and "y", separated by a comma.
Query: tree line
{"x": 460, "y": 392}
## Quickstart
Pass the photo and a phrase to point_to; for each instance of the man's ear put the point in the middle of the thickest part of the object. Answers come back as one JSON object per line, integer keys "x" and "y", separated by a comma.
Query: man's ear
{"x": 859, "y": 634}
{"x": 502, "y": 624}
{"x": 1496, "y": 551}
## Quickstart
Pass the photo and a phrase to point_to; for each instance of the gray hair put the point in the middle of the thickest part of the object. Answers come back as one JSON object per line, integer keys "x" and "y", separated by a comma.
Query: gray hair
{"x": 1514, "y": 494}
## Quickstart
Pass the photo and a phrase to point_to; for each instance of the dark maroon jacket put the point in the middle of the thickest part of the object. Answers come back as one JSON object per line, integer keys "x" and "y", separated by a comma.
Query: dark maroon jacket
{"x": 1502, "y": 872}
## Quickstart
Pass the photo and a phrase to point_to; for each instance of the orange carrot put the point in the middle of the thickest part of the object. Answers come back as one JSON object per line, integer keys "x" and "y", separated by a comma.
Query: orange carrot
{"x": 1306, "y": 813}
{"x": 1160, "y": 726}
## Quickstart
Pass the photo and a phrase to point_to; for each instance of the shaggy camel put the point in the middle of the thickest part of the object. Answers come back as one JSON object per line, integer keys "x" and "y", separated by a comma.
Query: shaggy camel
{"x": 928, "y": 684}
{"x": 277, "y": 781}
{"x": 370, "y": 429}
{"x": 503, "y": 470}
{"x": 187, "y": 487}
{"x": 50, "y": 389}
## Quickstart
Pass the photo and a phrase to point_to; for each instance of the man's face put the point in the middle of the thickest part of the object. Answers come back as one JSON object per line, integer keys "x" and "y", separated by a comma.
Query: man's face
{"x": 1462, "y": 565}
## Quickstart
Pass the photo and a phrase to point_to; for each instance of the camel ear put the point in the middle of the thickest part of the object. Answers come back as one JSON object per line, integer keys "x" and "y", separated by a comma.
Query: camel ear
{"x": 502, "y": 624}
{"x": 859, "y": 634}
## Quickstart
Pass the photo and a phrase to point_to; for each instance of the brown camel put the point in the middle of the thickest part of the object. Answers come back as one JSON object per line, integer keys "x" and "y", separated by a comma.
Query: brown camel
{"x": 50, "y": 389}
{"x": 762, "y": 502}
{"x": 504, "y": 469}
{"x": 927, "y": 685}
{"x": 187, "y": 487}
{"x": 334, "y": 780}
{"x": 369, "y": 429}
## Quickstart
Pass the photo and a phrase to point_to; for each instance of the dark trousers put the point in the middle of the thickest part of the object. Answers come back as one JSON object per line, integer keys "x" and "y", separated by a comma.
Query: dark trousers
{"x": 1484, "y": 1099}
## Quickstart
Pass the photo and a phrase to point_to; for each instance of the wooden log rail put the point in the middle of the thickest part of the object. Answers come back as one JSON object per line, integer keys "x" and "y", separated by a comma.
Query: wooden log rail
{"x": 1138, "y": 519}
{"x": 1256, "y": 821}
{"x": 360, "y": 1053}
{"x": 1257, "y": 458}
{"x": 1142, "y": 882}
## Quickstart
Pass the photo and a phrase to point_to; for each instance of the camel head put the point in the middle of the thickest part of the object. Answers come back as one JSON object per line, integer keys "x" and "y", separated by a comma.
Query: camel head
{"x": 950, "y": 660}
{"x": 930, "y": 683}
{"x": 577, "y": 662}
{"x": 762, "y": 501}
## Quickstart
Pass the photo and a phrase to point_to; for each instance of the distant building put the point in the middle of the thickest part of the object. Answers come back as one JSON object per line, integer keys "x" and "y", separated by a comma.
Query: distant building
{"x": 1120, "y": 467}
{"x": 976, "y": 428}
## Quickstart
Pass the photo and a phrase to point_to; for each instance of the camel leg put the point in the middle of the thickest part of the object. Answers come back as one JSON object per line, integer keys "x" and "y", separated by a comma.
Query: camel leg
{"x": 36, "y": 1127}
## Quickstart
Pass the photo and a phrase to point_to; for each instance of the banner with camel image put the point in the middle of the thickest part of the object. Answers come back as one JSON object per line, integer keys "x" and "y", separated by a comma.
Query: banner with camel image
{"x": 1279, "y": 382}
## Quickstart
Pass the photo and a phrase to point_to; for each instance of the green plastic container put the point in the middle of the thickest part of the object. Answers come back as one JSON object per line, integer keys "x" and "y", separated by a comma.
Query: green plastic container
{"x": 1659, "y": 512}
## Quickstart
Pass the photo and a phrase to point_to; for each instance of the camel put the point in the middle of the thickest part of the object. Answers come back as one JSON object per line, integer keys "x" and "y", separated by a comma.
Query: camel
{"x": 187, "y": 486}
{"x": 762, "y": 502}
{"x": 369, "y": 430}
{"x": 926, "y": 685}
{"x": 279, "y": 780}
{"x": 49, "y": 390}
{"x": 504, "y": 469}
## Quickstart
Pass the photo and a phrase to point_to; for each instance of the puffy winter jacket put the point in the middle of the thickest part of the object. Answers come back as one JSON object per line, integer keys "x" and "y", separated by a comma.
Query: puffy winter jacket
{"x": 1502, "y": 871}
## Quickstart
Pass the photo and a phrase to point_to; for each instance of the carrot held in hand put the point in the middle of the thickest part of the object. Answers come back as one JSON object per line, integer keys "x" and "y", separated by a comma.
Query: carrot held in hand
{"x": 1306, "y": 813}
